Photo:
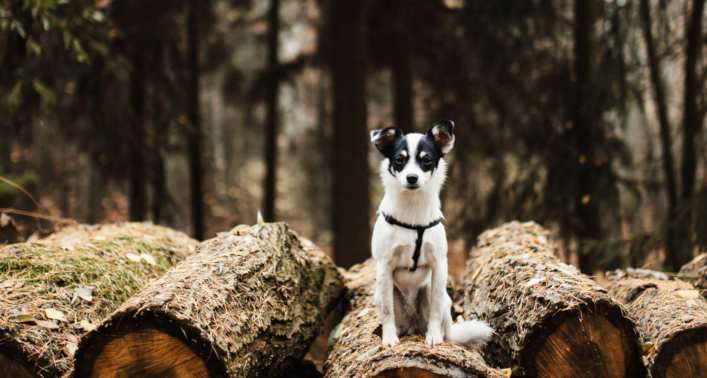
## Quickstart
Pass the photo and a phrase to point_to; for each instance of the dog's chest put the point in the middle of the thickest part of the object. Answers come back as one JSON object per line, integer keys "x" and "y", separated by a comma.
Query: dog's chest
{"x": 400, "y": 244}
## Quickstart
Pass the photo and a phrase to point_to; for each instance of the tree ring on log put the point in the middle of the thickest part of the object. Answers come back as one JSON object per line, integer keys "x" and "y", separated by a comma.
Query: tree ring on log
{"x": 148, "y": 345}
{"x": 13, "y": 363}
{"x": 583, "y": 342}
{"x": 678, "y": 356}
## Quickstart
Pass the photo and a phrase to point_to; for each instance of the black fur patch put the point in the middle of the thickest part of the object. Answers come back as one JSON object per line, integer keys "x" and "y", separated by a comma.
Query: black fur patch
{"x": 428, "y": 160}
{"x": 398, "y": 155}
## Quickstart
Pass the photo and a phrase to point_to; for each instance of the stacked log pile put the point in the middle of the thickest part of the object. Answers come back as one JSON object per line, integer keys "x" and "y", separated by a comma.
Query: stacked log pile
{"x": 97, "y": 301}
{"x": 672, "y": 321}
{"x": 249, "y": 303}
{"x": 550, "y": 320}
{"x": 359, "y": 352}
{"x": 54, "y": 290}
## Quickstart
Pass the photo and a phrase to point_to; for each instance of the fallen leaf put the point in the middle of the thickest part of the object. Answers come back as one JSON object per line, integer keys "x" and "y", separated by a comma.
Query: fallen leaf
{"x": 23, "y": 318}
{"x": 148, "y": 258}
{"x": 54, "y": 314}
{"x": 85, "y": 293}
{"x": 4, "y": 219}
{"x": 86, "y": 325}
{"x": 49, "y": 324}
{"x": 70, "y": 348}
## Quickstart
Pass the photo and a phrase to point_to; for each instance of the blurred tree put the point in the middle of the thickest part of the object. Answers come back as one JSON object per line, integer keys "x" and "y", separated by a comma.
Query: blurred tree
{"x": 271, "y": 122}
{"x": 350, "y": 174}
{"x": 196, "y": 169}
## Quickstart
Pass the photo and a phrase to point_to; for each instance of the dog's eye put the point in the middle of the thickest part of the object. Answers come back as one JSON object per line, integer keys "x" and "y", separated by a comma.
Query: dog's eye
{"x": 426, "y": 159}
{"x": 399, "y": 160}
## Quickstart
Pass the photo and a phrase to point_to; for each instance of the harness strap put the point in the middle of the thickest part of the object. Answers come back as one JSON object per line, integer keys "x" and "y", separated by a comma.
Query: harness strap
{"x": 420, "y": 229}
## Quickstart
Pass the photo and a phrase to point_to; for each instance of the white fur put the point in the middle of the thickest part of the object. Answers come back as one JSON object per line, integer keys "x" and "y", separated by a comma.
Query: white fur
{"x": 416, "y": 302}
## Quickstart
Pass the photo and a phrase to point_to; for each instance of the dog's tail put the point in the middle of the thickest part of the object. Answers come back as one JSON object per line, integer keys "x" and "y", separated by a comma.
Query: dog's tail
{"x": 469, "y": 332}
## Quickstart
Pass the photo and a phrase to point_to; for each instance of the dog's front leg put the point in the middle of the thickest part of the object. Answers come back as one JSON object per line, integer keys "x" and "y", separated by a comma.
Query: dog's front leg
{"x": 384, "y": 302}
{"x": 438, "y": 296}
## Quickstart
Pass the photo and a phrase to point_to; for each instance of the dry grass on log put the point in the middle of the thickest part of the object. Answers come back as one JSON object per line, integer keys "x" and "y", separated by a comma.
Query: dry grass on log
{"x": 54, "y": 290}
{"x": 672, "y": 321}
{"x": 359, "y": 352}
{"x": 550, "y": 320}
{"x": 249, "y": 303}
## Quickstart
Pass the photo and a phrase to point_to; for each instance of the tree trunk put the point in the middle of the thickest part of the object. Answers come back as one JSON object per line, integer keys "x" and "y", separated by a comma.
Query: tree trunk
{"x": 196, "y": 168}
{"x": 359, "y": 351}
{"x": 137, "y": 175}
{"x": 672, "y": 322}
{"x": 271, "y": 122}
{"x": 672, "y": 255}
{"x": 695, "y": 272}
{"x": 402, "y": 77}
{"x": 158, "y": 172}
{"x": 550, "y": 320}
{"x": 84, "y": 272}
{"x": 350, "y": 178}
{"x": 692, "y": 124}
{"x": 587, "y": 133}
{"x": 249, "y": 304}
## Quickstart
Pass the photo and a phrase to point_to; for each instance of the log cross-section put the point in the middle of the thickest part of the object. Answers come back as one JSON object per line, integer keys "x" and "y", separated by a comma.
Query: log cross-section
{"x": 248, "y": 303}
{"x": 672, "y": 321}
{"x": 54, "y": 290}
{"x": 550, "y": 320}
{"x": 359, "y": 351}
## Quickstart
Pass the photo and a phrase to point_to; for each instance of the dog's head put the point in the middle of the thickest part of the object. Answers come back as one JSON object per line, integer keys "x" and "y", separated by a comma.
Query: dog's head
{"x": 414, "y": 161}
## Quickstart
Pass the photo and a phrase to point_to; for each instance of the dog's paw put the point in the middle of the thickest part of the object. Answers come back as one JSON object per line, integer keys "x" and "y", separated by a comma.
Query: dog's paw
{"x": 390, "y": 340}
{"x": 434, "y": 336}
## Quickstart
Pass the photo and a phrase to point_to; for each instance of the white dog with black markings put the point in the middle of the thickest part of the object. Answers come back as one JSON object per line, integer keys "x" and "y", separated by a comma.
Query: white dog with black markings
{"x": 409, "y": 243}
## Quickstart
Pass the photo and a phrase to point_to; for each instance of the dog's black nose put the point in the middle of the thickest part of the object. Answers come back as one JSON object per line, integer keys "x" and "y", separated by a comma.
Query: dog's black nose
{"x": 412, "y": 179}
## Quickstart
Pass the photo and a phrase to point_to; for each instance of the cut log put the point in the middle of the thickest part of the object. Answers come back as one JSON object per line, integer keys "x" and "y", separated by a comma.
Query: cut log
{"x": 695, "y": 272}
{"x": 359, "y": 352}
{"x": 54, "y": 290}
{"x": 672, "y": 322}
{"x": 249, "y": 303}
{"x": 550, "y": 320}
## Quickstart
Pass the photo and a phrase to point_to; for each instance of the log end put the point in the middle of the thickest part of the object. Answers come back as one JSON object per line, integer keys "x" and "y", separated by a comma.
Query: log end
{"x": 144, "y": 348}
{"x": 13, "y": 367}
{"x": 685, "y": 355}
{"x": 592, "y": 341}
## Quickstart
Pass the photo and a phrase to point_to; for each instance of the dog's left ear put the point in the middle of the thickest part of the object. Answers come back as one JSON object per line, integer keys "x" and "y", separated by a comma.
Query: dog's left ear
{"x": 442, "y": 134}
{"x": 383, "y": 138}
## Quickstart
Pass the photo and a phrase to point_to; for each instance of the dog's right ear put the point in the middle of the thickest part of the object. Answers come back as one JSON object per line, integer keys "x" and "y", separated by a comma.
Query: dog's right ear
{"x": 383, "y": 139}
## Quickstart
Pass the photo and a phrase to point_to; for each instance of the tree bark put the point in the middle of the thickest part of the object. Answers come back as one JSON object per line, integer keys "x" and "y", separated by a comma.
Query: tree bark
{"x": 359, "y": 352}
{"x": 695, "y": 272}
{"x": 350, "y": 177}
{"x": 84, "y": 272}
{"x": 586, "y": 132}
{"x": 550, "y": 320}
{"x": 137, "y": 203}
{"x": 402, "y": 74}
{"x": 666, "y": 140}
{"x": 248, "y": 304}
{"x": 671, "y": 320}
{"x": 196, "y": 168}
{"x": 692, "y": 124}
{"x": 272, "y": 121}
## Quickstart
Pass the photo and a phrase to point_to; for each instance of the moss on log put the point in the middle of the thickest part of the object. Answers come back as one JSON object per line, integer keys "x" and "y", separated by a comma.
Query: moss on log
{"x": 56, "y": 289}
{"x": 249, "y": 303}
{"x": 672, "y": 322}
{"x": 550, "y": 320}
{"x": 695, "y": 272}
{"x": 359, "y": 352}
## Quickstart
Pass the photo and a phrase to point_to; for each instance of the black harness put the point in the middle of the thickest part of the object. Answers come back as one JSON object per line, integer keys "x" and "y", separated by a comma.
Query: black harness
{"x": 415, "y": 227}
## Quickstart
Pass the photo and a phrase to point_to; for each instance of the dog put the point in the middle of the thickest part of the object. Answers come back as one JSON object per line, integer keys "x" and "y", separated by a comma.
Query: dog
{"x": 409, "y": 243}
